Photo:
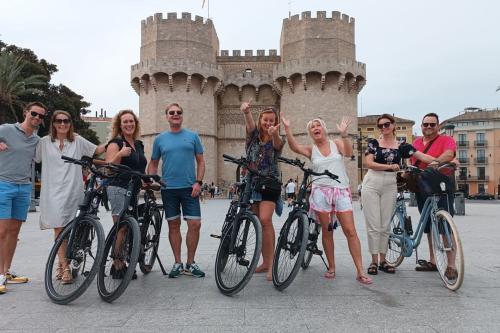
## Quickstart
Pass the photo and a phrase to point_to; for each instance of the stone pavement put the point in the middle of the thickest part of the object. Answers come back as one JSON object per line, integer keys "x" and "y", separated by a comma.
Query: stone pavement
{"x": 407, "y": 301}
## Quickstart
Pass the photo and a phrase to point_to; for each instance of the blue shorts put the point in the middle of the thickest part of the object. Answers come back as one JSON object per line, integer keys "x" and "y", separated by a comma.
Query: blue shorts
{"x": 14, "y": 200}
{"x": 174, "y": 199}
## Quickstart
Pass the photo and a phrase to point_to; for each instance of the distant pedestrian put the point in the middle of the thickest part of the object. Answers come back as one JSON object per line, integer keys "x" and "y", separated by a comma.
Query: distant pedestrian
{"x": 290, "y": 191}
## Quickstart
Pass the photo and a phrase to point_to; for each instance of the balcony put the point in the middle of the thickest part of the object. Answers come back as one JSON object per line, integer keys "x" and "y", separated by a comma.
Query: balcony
{"x": 463, "y": 143}
{"x": 480, "y": 178}
{"x": 481, "y": 143}
{"x": 463, "y": 160}
{"x": 481, "y": 160}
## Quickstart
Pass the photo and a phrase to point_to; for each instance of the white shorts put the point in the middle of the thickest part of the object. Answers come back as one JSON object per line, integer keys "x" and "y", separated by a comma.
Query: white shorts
{"x": 330, "y": 199}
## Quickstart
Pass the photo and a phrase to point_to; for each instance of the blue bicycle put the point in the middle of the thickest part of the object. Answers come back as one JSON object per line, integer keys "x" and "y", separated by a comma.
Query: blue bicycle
{"x": 447, "y": 246}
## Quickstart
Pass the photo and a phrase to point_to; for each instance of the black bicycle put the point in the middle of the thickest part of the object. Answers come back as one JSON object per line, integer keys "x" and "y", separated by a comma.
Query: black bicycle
{"x": 123, "y": 243}
{"x": 150, "y": 216}
{"x": 81, "y": 243}
{"x": 241, "y": 238}
{"x": 298, "y": 237}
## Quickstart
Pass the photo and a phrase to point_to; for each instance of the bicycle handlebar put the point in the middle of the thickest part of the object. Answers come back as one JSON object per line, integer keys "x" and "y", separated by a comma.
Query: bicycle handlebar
{"x": 123, "y": 169}
{"x": 414, "y": 169}
{"x": 299, "y": 164}
{"x": 242, "y": 161}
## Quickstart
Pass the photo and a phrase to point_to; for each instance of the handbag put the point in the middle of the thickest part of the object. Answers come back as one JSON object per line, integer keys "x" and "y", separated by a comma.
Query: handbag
{"x": 412, "y": 180}
{"x": 268, "y": 186}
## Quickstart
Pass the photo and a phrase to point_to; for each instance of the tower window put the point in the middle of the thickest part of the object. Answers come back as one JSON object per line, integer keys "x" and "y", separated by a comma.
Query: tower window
{"x": 248, "y": 72}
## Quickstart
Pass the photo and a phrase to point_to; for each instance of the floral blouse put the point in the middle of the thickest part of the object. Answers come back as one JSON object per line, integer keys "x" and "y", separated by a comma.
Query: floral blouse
{"x": 389, "y": 155}
{"x": 262, "y": 155}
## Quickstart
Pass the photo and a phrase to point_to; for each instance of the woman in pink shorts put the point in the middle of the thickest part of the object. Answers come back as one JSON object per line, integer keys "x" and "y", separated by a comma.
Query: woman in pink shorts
{"x": 329, "y": 197}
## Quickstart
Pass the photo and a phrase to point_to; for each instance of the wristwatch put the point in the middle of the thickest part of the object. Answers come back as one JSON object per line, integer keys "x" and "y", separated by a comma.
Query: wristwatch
{"x": 200, "y": 182}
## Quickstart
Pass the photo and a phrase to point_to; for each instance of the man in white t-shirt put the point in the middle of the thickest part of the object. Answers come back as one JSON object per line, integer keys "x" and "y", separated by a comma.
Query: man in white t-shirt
{"x": 290, "y": 191}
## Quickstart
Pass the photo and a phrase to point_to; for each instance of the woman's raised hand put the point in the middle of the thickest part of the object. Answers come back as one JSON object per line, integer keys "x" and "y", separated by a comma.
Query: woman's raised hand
{"x": 344, "y": 125}
{"x": 286, "y": 122}
{"x": 273, "y": 129}
{"x": 245, "y": 106}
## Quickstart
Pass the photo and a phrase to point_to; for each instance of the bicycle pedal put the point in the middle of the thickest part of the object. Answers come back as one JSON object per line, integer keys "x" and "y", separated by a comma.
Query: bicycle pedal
{"x": 215, "y": 236}
{"x": 244, "y": 262}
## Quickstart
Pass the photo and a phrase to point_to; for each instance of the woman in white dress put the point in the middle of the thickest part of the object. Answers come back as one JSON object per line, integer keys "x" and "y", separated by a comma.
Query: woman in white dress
{"x": 62, "y": 183}
{"x": 327, "y": 196}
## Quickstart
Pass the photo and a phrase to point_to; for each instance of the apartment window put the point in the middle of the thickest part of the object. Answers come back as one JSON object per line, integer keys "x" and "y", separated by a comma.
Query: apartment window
{"x": 481, "y": 173}
{"x": 480, "y": 138}
{"x": 462, "y": 154}
{"x": 480, "y": 154}
{"x": 462, "y": 174}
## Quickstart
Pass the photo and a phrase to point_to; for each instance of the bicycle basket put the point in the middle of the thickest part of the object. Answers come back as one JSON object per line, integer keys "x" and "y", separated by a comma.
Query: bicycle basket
{"x": 408, "y": 180}
{"x": 431, "y": 180}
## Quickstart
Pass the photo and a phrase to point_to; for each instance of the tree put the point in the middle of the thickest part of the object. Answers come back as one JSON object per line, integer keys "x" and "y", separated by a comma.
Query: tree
{"x": 14, "y": 85}
{"x": 55, "y": 97}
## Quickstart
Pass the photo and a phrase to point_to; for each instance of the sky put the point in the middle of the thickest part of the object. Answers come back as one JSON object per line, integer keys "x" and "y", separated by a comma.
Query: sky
{"x": 421, "y": 56}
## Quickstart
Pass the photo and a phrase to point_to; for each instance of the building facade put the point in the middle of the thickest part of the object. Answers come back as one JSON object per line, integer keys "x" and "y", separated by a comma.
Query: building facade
{"x": 315, "y": 75}
{"x": 477, "y": 133}
{"x": 367, "y": 129}
{"x": 100, "y": 124}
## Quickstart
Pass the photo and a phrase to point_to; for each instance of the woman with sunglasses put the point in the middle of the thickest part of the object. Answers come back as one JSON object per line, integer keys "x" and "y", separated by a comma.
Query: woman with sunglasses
{"x": 62, "y": 183}
{"x": 379, "y": 190}
{"x": 263, "y": 146}
{"x": 123, "y": 148}
{"x": 329, "y": 197}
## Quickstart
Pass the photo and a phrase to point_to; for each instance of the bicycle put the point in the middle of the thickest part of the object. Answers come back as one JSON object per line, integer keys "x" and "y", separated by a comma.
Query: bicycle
{"x": 241, "y": 238}
{"x": 447, "y": 246}
{"x": 149, "y": 215}
{"x": 123, "y": 243}
{"x": 83, "y": 239}
{"x": 298, "y": 237}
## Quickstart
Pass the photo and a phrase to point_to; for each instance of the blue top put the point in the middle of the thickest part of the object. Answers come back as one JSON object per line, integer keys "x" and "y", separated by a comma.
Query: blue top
{"x": 177, "y": 151}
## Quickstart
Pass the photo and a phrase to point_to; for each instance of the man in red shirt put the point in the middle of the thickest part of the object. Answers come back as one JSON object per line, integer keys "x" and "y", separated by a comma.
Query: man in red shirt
{"x": 443, "y": 149}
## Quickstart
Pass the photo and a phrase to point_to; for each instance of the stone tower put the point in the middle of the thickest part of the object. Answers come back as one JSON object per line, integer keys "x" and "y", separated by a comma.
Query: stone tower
{"x": 316, "y": 75}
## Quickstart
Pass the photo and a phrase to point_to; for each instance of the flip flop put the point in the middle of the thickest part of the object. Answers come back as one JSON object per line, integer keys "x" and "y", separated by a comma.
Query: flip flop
{"x": 364, "y": 280}
{"x": 329, "y": 275}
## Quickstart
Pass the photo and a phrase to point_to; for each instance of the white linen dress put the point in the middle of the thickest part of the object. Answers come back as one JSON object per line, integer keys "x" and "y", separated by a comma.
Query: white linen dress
{"x": 62, "y": 183}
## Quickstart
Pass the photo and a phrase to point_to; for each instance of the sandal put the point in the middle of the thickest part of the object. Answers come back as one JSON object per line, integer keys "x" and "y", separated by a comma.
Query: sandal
{"x": 329, "y": 275}
{"x": 385, "y": 267}
{"x": 372, "y": 269}
{"x": 451, "y": 273}
{"x": 67, "y": 277}
{"x": 364, "y": 279}
{"x": 426, "y": 266}
{"x": 59, "y": 272}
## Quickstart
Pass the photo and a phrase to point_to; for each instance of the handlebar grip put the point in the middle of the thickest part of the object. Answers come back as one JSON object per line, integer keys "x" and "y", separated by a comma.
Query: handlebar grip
{"x": 228, "y": 157}
{"x": 284, "y": 159}
{"x": 66, "y": 158}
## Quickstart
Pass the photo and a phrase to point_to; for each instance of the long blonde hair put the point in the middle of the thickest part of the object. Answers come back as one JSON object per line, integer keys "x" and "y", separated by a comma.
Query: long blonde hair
{"x": 117, "y": 121}
{"x": 70, "y": 136}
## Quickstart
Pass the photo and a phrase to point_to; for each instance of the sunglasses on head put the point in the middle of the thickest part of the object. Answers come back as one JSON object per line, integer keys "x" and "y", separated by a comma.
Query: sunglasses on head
{"x": 62, "y": 121}
{"x": 176, "y": 112}
{"x": 384, "y": 125}
{"x": 432, "y": 125}
{"x": 36, "y": 114}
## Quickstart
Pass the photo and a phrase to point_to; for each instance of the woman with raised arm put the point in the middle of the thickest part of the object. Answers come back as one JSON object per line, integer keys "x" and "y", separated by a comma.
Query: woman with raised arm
{"x": 330, "y": 197}
{"x": 62, "y": 183}
{"x": 123, "y": 148}
{"x": 263, "y": 146}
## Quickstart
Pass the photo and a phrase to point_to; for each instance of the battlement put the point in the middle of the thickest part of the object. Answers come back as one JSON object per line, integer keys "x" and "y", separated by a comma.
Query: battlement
{"x": 320, "y": 16}
{"x": 321, "y": 65}
{"x": 249, "y": 53}
{"x": 172, "y": 18}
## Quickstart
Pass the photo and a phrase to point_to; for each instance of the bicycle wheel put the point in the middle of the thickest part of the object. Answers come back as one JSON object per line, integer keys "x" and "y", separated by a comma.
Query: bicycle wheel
{"x": 122, "y": 249}
{"x": 447, "y": 249}
{"x": 394, "y": 255}
{"x": 290, "y": 250}
{"x": 235, "y": 266}
{"x": 150, "y": 241}
{"x": 312, "y": 243}
{"x": 87, "y": 250}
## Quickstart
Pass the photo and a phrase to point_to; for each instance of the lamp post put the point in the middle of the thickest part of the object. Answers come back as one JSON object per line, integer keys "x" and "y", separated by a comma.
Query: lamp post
{"x": 359, "y": 143}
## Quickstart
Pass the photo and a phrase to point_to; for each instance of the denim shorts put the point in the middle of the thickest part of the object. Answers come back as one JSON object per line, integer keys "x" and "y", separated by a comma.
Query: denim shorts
{"x": 116, "y": 197}
{"x": 175, "y": 199}
{"x": 14, "y": 200}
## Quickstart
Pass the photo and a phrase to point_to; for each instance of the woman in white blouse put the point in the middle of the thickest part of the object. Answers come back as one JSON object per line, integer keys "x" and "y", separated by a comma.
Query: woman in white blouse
{"x": 62, "y": 183}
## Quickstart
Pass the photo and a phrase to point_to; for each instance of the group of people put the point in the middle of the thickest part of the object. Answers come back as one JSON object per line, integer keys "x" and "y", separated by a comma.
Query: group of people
{"x": 62, "y": 186}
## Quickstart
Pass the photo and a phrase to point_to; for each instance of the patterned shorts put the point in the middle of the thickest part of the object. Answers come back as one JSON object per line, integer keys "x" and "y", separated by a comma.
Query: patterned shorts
{"x": 330, "y": 199}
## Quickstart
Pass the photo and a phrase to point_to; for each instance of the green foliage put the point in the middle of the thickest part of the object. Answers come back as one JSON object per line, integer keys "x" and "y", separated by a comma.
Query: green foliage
{"x": 24, "y": 78}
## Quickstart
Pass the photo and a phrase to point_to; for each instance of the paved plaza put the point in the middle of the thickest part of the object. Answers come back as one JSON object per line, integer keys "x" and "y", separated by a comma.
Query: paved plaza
{"x": 407, "y": 301}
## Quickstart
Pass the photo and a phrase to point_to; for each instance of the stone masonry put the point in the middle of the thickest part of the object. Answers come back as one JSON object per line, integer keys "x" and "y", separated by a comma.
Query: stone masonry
{"x": 315, "y": 75}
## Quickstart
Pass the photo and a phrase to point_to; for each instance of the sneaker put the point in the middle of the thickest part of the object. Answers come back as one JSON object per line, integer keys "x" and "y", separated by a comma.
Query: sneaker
{"x": 3, "y": 282}
{"x": 194, "y": 270}
{"x": 176, "y": 270}
{"x": 12, "y": 277}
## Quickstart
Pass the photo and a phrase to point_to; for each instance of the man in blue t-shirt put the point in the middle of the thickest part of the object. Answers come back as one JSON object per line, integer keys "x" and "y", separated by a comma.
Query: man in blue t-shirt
{"x": 178, "y": 149}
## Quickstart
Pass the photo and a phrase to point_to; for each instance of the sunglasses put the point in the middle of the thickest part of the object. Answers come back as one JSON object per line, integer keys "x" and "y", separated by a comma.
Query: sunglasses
{"x": 36, "y": 114}
{"x": 178, "y": 112}
{"x": 384, "y": 125}
{"x": 62, "y": 121}
{"x": 432, "y": 125}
